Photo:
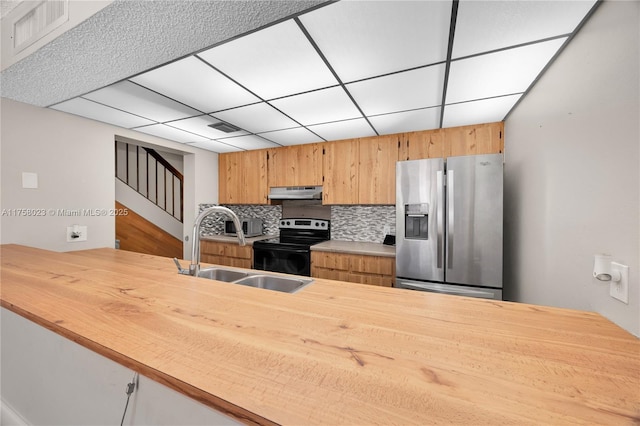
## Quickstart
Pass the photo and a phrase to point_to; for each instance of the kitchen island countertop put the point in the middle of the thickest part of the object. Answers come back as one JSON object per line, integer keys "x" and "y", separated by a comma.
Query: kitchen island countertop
{"x": 333, "y": 353}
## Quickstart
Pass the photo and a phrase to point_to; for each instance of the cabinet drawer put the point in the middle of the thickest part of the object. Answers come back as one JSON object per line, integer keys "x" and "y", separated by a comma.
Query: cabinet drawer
{"x": 330, "y": 274}
{"x": 234, "y": 250}
{"x": 211, "y": 248}
{"x": 373, "y": 264}
{"x": 330, "y": 261}
{"x": 380, "y": 280}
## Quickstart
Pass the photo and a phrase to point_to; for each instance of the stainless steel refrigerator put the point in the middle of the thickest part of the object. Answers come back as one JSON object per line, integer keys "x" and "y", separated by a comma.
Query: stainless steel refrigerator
{"x": 449, "y": 225}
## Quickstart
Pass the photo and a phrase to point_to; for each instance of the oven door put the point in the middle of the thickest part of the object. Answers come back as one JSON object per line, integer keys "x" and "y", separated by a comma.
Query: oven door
{"x": 286, "y": 259}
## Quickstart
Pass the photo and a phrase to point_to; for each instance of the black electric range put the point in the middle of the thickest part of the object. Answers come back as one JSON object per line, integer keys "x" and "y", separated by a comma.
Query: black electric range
{"x": 291, "y": 252}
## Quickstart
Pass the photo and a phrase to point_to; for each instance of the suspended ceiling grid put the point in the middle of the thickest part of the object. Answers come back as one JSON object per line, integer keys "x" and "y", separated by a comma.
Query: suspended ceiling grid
{"x": 346, "y": 69}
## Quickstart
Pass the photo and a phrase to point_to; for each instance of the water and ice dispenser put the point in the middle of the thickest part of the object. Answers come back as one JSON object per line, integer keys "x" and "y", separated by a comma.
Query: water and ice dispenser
{"x": 416, "y": 221}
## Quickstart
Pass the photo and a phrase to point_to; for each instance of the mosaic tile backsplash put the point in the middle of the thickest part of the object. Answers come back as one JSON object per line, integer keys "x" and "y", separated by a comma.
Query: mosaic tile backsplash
{"x": 348, "y": 223}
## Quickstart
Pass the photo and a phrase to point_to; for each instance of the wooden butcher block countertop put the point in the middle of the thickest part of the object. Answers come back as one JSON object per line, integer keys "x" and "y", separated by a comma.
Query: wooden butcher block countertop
{"x": 333, "y": 353}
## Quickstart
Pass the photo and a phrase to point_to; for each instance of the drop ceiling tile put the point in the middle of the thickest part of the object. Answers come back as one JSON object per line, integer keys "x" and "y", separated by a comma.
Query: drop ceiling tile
{"x": 130, "y": 97}
{"x": 362, "y": 39}
{"x": 482, "y": 26}
{"x": 346, "y": 129}
{"x": 296, "y": 136}
{"x": 413, "y": 89}
{"x": 257, "y": 118}
{"x": 95, "y": 111}
{"x": 501, "y": 73}
{"x": 166, "y": 132}
{"x": 196, "y": 84}
{"x": 276, "y": 61}
{"x": 200, "y": 126}
{"x": 249, "y": 142}
{"x": 215, "y": 146}
{"x": 321, "y": 106}
{"x": 408, "y": 121}
{"x": 484, "y": 111}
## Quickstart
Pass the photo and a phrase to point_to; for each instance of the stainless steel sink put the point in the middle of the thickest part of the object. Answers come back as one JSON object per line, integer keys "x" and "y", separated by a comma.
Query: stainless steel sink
{"x": 274, "y": 282}
{"x": 258, "y": 280}
{"x": 220, "y": 274}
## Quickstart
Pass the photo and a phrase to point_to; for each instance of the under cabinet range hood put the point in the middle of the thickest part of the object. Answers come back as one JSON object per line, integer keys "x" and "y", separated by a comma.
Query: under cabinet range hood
{"x": 295, "y": 193}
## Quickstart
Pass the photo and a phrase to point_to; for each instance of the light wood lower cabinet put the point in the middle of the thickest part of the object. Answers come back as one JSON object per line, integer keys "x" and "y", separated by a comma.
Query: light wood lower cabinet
{"x": 355, "y": 268}
{"x": 228, "y": 254}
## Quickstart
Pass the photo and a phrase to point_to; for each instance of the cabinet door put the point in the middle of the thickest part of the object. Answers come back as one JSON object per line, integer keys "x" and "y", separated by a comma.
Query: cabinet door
{"x": 474, "y": 140}
{"x": 242, "y": 177}
{"x": 377, "y": 169}
{"x": 340, "y": 165}
{"x": 424, "y": 144}
{"x": 297, "y": 165}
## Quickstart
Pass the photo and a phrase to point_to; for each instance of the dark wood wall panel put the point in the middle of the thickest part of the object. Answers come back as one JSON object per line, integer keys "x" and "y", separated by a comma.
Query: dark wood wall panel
{"x": 138, "y": 234}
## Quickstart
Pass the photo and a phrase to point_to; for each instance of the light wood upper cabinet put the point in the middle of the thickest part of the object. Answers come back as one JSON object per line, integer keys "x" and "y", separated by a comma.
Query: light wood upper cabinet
{"x": 340, "y": 164}
{"x": 297, "y": 165}
{"x": 423, "y": 144}
{"x": 242, "y": 177}
{"x": 377, "y": 169}
{"x": 474, "y": 140}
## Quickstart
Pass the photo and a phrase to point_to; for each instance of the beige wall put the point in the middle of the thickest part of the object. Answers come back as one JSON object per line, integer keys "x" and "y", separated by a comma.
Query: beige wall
{"x": 74, "y": 160}
{"x": 572, "y": 186}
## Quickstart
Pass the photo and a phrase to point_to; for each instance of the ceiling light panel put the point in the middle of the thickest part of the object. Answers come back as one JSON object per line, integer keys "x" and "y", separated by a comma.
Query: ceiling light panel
{"x": 501, "y": 73}
{"x": 130, "y": 97}
{"x": 274, "y": 62}
{"x": 95, "y": 111}
{"x": 361, "y": 39}
{"x": 346, "y": 129}
{"x": 171, "y": 133}
{"x": 321, "y": 106}
{"x": 398, "y": 92}
{"x": 484, "y": 111}
{"x": 482, "y": 26}
{"x": 408, "y": 121}
{"x": 295, "y": 136}
{"x": 200, "y": 126}
{"x": 257, "y": 118}
{"x": 196, "y": 84}
{"x": 249, "y": 142}
{"x": 215, "y": 146}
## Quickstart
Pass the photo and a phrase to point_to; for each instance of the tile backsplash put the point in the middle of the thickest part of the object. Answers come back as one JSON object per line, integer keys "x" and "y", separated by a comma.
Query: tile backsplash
{"x": 348, "y": 223}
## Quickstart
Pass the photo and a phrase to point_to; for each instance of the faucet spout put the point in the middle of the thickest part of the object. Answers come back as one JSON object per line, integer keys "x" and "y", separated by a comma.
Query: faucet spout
{"x": 194, "y": 267}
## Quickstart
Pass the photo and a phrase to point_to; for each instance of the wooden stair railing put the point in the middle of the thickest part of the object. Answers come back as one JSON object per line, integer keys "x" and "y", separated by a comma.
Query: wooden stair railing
{"x": 152, "y": 176}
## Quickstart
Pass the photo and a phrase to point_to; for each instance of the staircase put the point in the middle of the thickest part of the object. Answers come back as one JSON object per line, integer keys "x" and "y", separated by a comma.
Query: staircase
{"x": 152, "y": 191}
{"x": 153, "y": 177}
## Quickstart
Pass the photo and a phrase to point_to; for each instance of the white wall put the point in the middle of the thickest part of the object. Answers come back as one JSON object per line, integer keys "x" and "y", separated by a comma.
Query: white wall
{"x": 572, "y": 186}
{"x": 74, "y": 160}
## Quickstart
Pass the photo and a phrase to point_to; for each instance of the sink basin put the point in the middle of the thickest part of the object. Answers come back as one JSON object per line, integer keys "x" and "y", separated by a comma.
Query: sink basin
{"x": 219, "y": 274}
{"x": 274, "y": 282}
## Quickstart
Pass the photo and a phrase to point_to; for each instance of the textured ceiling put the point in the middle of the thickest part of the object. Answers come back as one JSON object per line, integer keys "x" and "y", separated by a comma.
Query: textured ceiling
{"x": 128, "y": 37}
{"x": 322, "y": 71}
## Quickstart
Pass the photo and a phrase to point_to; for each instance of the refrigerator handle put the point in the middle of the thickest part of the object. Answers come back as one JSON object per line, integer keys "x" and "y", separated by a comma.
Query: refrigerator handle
{"x": 439, "y": 217}
{"x": 450, "y": 217}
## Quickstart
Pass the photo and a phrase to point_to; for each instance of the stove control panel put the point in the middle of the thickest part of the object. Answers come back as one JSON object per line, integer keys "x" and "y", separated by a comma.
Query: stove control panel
{"x": 304, "y": 224}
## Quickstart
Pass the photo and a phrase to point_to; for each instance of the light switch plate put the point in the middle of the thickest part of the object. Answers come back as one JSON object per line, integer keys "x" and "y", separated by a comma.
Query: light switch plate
{"x": 29, "y": 180}
{"x": 620, "y": 289}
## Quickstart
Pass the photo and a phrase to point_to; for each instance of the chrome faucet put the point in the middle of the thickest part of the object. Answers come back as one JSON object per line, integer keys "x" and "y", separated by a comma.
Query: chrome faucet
{"x": 194, "y": 267}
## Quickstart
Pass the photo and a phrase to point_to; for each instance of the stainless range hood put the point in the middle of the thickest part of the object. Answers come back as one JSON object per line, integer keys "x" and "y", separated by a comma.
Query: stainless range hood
{"x": 295, "y": 193}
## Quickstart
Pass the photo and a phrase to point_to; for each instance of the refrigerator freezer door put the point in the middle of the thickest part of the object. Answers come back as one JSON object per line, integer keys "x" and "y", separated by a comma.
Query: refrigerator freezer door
{"x": 474, "y": 220}
{"x": 420, "y": 219}
{"x": 457, "y": 290}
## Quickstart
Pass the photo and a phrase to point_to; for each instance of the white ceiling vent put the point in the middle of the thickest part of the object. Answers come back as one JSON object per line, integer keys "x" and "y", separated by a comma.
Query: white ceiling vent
{"x": 39, "y": 21}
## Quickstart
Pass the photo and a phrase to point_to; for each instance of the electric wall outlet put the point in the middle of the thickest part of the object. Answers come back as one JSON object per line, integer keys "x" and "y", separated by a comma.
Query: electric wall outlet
{"x": 620, "y": 289}
{"x": 386, "y": 230}
{"x": 76, "y": 233}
